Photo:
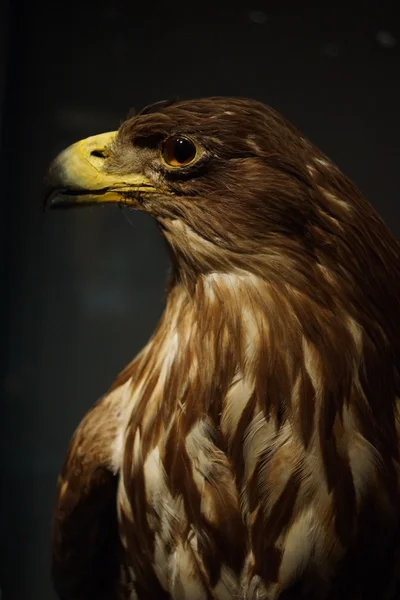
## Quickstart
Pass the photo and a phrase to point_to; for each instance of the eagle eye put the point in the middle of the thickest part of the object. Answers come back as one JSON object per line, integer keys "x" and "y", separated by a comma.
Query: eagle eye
{"x": 178, "y": 151}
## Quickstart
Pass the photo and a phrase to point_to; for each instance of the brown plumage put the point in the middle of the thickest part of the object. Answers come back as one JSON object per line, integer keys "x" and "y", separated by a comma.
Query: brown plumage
{"x": 251, "y": 450}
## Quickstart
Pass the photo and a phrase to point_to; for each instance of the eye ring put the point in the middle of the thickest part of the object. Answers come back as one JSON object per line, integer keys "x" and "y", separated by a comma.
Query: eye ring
{"x": 179, "y": 151}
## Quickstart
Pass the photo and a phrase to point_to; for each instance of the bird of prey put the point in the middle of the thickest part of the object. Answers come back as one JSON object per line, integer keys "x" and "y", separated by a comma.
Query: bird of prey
{"x": 251, "y": 449}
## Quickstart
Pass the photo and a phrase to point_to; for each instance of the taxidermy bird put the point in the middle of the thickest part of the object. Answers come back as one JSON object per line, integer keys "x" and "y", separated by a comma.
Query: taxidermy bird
{"x": 251, "y": 449}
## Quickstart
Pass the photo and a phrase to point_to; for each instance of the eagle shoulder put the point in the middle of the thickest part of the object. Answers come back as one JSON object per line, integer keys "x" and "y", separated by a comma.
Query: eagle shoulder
{"x": 85, "y": 543}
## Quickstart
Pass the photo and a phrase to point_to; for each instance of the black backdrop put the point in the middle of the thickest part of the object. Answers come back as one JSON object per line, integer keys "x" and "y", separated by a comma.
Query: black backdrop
{"x": 81, "y": 292}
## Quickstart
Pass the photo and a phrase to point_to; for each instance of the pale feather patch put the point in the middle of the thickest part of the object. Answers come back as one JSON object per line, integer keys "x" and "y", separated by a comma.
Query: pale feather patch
{"x": 235, "y": 402}
{"x": 296, "y": 409}
{"x": 168, "y": 520}
{"x": 323, "y": 162}
{"x": 356, "y": 332}
{"x": 233, "y": 280}
{"x": 184, "y": 580}
{"x": 312, "y": 364}
{"x": 137, "y": 451}
{"x": 184, "y": 237}
{"x": 246, "y": 574}
{"x": 170, "y": 514}
{"x": 227, "y": 280}
{"x": 211, "y": 472}
{"x": 227, "y": 586}
{"x": 63, "y": 488}
{"x": 259, "y": 434}
{"x": 246, "y": 291}
{"x": 252, "y": 336}
{"x": 155, "y": 478}
{"x": 365, "y": 461}
{"x": 251, "y": 140}
{"x": 298, "y": 548}
{"x": 132, "y": 574}
{"x": 311, "y": 170}
{"x": 256, "y": 590}
{"x": 123, "y": 507}
{"x": 166, "y": 357}
{"x": 334, "y": 199}
{"x": 327, "y": 274}
{"x": 168, "y": 353}
{"x": 126, "y": 398}
{"x": 314, "y": 483}
{"x": 161, "y": 558}
{"x": 273, "y": 474}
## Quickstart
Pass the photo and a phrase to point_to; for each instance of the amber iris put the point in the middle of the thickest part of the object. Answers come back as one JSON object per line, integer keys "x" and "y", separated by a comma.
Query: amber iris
{"x": 178, "y": 151}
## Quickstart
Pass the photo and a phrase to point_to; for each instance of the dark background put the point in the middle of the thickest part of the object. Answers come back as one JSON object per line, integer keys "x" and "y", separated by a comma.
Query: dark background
{"x": 81, "y": 291}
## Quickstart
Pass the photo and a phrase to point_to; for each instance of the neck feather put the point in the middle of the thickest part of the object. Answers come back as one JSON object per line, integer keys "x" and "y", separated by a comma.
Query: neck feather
{"x": 235, "y": 344}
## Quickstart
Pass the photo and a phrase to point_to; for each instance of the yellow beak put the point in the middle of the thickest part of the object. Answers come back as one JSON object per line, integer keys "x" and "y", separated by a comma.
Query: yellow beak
{"x": 78, "y": 176}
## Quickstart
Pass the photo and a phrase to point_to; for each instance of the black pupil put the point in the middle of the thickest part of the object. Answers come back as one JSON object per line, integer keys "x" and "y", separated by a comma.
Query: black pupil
{"x": 184, "y": 150}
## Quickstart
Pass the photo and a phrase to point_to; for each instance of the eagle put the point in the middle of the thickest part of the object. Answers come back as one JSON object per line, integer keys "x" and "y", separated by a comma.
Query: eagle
{"x": 251, "y": 449}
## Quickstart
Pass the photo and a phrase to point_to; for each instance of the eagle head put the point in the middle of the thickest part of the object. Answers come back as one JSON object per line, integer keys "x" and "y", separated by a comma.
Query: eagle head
{"x": 229, "y": 181}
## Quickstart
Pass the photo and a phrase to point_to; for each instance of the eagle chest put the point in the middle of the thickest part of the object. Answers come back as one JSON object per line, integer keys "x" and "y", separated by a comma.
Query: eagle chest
{"x": 179, "y": 502}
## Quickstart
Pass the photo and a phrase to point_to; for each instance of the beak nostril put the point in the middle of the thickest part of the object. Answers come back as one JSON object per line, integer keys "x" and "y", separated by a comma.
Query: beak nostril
{"x": 99, "y": 153}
